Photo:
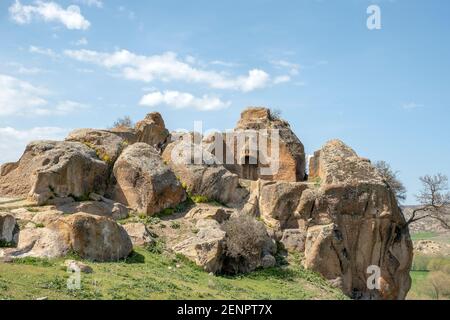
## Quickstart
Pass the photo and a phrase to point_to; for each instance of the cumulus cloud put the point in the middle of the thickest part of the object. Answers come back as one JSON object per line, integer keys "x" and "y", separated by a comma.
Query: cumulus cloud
{"x": 13, "y": 141}
{"x": 71, "y": 17}
{"x": 182, "y": 100}
{"x": 167, "y": 67}
{"x": 18, "y": 97}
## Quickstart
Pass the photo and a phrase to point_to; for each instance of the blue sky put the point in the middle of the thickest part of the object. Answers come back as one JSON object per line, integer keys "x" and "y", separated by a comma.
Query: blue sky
{"x": 84, "y": 63}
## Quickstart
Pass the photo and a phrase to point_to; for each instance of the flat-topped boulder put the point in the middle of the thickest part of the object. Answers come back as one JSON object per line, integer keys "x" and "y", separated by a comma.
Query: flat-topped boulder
{"x": 91, "y": 237}
{"x": 52, "y": 169}
{"x": 107, "y": 144}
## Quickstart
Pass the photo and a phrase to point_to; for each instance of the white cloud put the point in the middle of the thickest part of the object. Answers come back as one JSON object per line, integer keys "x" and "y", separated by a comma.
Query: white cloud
{"x": 293, "y": 68}
{"x": 71, "y": 17}
{"x": 182, "y": 100}
{"x": 281, "y": 79}
{"x": 411, "y": 105}
{"x": 43, "y": 51}
{"x": 21, "y": 69}
{"x": 224, "y": 63}
{"x": 62, "y": 108}
{"x": 21, "y": 98}
{"x": 81, "y": 42}
{"x": 13, "y": 141}
{"x": 167, "y": 67}
{"x": 91, "y": 3}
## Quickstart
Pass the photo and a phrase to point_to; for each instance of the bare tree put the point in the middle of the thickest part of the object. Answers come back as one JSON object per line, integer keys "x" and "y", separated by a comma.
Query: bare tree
{"x": 390, "y": 177}
{"x": 124, "y": 122}
{"x": 434, "y": 199}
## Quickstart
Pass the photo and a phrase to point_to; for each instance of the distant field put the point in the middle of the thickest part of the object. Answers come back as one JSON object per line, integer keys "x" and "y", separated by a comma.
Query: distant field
{"x": 156, "y": 276}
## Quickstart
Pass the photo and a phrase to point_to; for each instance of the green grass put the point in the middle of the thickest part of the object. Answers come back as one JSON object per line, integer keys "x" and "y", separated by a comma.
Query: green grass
{"x": 424, "y": 235}
{"x": 422, "y": 268}
{"x": 147, "y": 275}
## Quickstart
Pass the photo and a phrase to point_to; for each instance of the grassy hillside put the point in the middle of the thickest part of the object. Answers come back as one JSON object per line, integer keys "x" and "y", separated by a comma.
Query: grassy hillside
{"x": 147, "y": 275}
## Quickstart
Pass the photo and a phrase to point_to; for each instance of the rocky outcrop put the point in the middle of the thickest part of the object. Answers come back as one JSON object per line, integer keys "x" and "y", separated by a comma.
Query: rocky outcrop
{"x": 50, "y": 169}
{"x": 344, "y": 220}
{"x": 152, "y": 131}
{"x": 143, "y": 182}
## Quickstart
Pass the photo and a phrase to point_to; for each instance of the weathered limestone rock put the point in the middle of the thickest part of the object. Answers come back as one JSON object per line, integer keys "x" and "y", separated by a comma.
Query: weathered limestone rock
{"x": 205, "y": 211}
{"x": 107, "y": 144}
{"x": 291, "y": 161}
{"x": 102, "y": 207}
{"x": 212, "y": 181}
{"x": 206, "y": 248}
{"x": 94, "y": 237}
{"x": 139, "y": 234}
{"x": 8, "y": 228}
{"x": 40, "y": 243}
{"x": 91, "y": 237}
{"x": 278, "y": 203}
{"x": 143, "y": 182}
{"x": 50, "y": 169}
{"x": 293, "y": 240}
{"x": 152, "y": 131}
{"x": 356, "y": 223}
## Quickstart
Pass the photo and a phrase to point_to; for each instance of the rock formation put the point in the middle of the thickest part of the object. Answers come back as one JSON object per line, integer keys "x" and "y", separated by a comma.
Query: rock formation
{"x": 342, "y": 218}
{"x": 291, "y": 157}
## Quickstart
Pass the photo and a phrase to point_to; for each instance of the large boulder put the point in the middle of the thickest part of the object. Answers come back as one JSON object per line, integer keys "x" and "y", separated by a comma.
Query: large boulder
{"x": 50, "y": 169}
{"x": 143, "y": 182}
{"x": 355, "y": 223}
{"x": 91, "y": 237}
{"x": 205, "y": 178}
{"x": 107, "y": 144}
{"x": 152, "y": 131}
{"x": 8, "y": 228}
{"x": 206, "y": 248}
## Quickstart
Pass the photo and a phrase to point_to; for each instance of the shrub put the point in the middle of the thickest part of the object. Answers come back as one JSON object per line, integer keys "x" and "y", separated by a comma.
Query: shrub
{"x": 245, "y": 240}
{"x": 124, "y": 122}
{"x": 156, "y": 246}
{"x": 175, "y": 225}
{"x": 199, "y": 199}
